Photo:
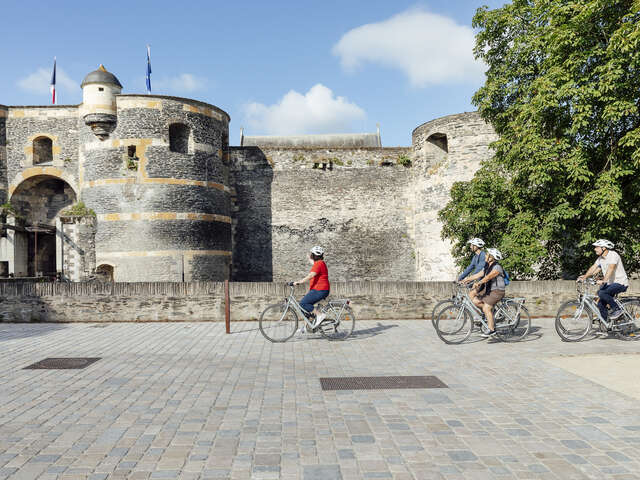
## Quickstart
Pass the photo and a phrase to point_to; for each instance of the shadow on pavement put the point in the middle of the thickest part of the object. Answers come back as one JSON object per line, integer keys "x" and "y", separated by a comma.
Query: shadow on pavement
{"x": 13, "y": 331}
{"x": 371, "y": 332}
{"x": 245, "y": 330}
{"x": 535, "y": 333}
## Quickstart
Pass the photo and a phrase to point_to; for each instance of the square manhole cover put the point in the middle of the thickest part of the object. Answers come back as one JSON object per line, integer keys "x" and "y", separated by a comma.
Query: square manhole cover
{"x": 380, "y": 383}
{"x": 65, "y": 363}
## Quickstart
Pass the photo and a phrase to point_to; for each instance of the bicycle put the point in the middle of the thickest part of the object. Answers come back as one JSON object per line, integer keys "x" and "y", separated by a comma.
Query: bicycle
{"x": 455, "y": 322}
{"x": 575, "y": 319}
{"x": 279, "y": 322}
{"x": 456, "y": 299}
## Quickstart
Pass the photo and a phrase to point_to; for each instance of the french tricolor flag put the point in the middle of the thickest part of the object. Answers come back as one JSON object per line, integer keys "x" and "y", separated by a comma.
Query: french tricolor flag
{"x": 53, "y": 83}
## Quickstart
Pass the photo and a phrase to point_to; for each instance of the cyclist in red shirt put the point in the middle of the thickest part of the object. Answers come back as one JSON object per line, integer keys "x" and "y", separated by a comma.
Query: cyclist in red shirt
{"x": 319, "y": 281}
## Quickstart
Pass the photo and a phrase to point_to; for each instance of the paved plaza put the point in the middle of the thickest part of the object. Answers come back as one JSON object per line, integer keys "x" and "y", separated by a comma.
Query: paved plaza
{"x": 185, "y": 400}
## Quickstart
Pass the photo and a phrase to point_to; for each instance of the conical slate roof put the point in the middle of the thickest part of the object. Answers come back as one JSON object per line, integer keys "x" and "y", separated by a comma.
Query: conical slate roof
{"x": 101, "y": 76}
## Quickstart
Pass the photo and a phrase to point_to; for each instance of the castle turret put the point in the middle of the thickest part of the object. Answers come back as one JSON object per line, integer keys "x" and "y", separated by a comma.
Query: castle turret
{"x": 160, "y": 190}
{"x": 99, "y": 90}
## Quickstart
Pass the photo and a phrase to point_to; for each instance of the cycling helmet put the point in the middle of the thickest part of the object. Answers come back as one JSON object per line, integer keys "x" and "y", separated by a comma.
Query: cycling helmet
{"x": 477, "y": 242}
{"x": 495, "y": 253}
{"x": 317, "y": 250}
{"x": 603, "y": 243}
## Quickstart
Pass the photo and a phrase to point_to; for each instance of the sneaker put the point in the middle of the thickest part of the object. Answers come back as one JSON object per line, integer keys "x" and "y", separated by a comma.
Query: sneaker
{"x": 489, "y": 334}
{"x": 321, "y": 317}
{"x": 616, "y": 314}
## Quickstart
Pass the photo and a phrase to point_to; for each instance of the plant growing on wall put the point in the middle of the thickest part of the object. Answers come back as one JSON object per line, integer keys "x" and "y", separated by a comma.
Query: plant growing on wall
{"x": 8, "y": 209}
{"x": 404, "y": 160}
{"x": 562, "y": 91}
{"x": 132, "y": 163}
{"x": 79, "y": 210}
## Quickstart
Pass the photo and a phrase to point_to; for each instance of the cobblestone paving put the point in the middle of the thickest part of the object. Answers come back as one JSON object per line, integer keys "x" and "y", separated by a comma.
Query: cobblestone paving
{"x": 184, "y": 400}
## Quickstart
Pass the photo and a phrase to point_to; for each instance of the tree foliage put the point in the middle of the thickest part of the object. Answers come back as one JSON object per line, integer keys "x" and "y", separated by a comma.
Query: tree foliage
{"x": 562, "y": 91}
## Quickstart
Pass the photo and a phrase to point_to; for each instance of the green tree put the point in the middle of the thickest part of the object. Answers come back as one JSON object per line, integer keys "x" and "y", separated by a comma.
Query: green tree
{"x": 562, "y": 91}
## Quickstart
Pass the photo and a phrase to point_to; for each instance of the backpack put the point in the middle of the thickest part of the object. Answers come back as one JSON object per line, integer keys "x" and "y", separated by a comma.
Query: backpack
{"x": 507, "y": 279}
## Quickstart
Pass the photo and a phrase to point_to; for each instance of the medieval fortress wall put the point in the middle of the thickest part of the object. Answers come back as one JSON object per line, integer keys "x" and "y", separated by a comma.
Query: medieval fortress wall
{"x": 376, "y": 218}
{"x": 173, "y": 202}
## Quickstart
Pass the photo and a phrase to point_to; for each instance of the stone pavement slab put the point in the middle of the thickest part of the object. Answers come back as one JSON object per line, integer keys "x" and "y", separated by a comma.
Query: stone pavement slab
{"x": 184, "y": 400}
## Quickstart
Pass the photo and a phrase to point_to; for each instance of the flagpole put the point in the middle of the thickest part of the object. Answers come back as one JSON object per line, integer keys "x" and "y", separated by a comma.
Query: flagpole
{"x": 54, "y": 99}
{"x": 148, "y": 69}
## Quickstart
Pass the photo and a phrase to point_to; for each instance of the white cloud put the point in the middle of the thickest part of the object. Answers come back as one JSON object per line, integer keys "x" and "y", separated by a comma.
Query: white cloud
{"x": 317, "y": 111}
{"x": 430, "y": 49}
{"x": 40, "y": 81}
{"x": 185, "y": 82}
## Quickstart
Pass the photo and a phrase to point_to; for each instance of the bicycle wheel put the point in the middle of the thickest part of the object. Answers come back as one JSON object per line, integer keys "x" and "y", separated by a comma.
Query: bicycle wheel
{"x": 439, "y": 306}
{"x": 278, "y": 323}
{"x": 573, "y": 322}
{"x": 514, "y": 326}
{"x": 453, "y": 324}
{"x": 632, "y": 330}
{"x": 338, "y": 324}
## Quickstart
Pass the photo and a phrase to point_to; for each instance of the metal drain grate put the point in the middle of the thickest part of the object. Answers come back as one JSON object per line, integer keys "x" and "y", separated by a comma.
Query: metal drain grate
{"x": 62, "y": 363}
{"x": 380, "y": 383}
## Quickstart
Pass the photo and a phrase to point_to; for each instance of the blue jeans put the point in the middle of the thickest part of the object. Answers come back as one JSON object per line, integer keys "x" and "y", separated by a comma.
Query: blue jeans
{"x": 606, "y": 294}
{"x": 312, "y": 296}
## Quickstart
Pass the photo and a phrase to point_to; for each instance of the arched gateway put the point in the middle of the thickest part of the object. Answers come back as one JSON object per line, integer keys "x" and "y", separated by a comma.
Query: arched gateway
{"x": 36, "y": 241}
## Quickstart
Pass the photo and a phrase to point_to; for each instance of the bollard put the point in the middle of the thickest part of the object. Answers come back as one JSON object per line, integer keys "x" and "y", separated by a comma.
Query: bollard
{"x": 227, "y": 307}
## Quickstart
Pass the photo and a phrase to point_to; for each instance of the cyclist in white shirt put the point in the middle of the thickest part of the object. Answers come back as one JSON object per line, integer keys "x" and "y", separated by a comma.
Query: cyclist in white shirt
{"x": 615, "y": 278}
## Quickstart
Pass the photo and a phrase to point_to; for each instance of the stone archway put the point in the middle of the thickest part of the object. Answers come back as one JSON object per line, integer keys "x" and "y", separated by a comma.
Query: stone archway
{"x": 38, "y": 202}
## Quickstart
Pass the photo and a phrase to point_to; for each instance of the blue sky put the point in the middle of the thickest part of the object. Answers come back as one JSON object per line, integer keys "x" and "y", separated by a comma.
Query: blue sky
{"x": 279, "y": 67}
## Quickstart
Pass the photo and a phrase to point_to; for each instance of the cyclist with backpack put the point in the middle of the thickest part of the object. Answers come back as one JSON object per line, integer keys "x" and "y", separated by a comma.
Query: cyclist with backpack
{"x": 490, "y": 288}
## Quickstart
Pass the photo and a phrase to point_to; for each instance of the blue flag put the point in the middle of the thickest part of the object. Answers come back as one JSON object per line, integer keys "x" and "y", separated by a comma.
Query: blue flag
{"x": 52, "y": 87}
{"x": 148, "y": 70}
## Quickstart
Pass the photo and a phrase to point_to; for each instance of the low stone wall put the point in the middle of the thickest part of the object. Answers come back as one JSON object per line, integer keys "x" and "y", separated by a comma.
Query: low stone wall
{"x": 204, "y": 301}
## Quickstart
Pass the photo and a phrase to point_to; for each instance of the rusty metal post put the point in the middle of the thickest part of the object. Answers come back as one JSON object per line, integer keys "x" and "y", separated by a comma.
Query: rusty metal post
{"x": 35, "y": 255}
{"x": 227, "y": 307}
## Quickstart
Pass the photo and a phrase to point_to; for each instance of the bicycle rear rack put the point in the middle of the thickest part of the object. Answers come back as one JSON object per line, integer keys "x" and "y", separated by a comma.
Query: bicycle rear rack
{"x": 339, "y": 303}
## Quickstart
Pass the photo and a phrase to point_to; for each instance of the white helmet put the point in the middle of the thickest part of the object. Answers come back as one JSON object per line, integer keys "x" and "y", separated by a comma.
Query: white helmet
{"x": 317, "y": 250}
{"x": 495, "y": 253}
{"x": 603, "y": 243}
{"x": 477, "y": 242}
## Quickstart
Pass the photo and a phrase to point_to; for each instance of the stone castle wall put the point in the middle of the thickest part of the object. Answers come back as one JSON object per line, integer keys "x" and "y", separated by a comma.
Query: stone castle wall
{"x": 356, "y": 207}
{"x": 164, "y": 214}
{"x": 376, "y": 218}
{"x": 204, "y": 301}
{"x": 4, "y": 113}
{"x": 25, "y": 124}
{"x": 210, "y": 211}
{"x": 435, "y": 170}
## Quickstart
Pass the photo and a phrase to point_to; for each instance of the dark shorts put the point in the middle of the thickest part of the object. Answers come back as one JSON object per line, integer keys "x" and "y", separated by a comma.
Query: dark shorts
{"x": 494, "y": 297}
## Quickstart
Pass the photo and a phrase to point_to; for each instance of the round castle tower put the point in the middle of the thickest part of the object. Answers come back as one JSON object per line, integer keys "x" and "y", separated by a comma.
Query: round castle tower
{"x": 152, "y": 169}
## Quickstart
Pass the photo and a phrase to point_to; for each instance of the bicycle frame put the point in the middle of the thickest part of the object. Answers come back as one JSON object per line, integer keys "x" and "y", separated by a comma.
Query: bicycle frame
{"x": 587, "y": 300}
{"x": 499, "y": 310}
{"x": 330, "y": 306}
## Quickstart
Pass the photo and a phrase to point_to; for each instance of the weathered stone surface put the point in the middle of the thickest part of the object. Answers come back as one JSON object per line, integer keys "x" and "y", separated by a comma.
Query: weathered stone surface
{"x": 435, "y": 171}
{"x": 253, "y": 211}
{"x": 204, "y": 301}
